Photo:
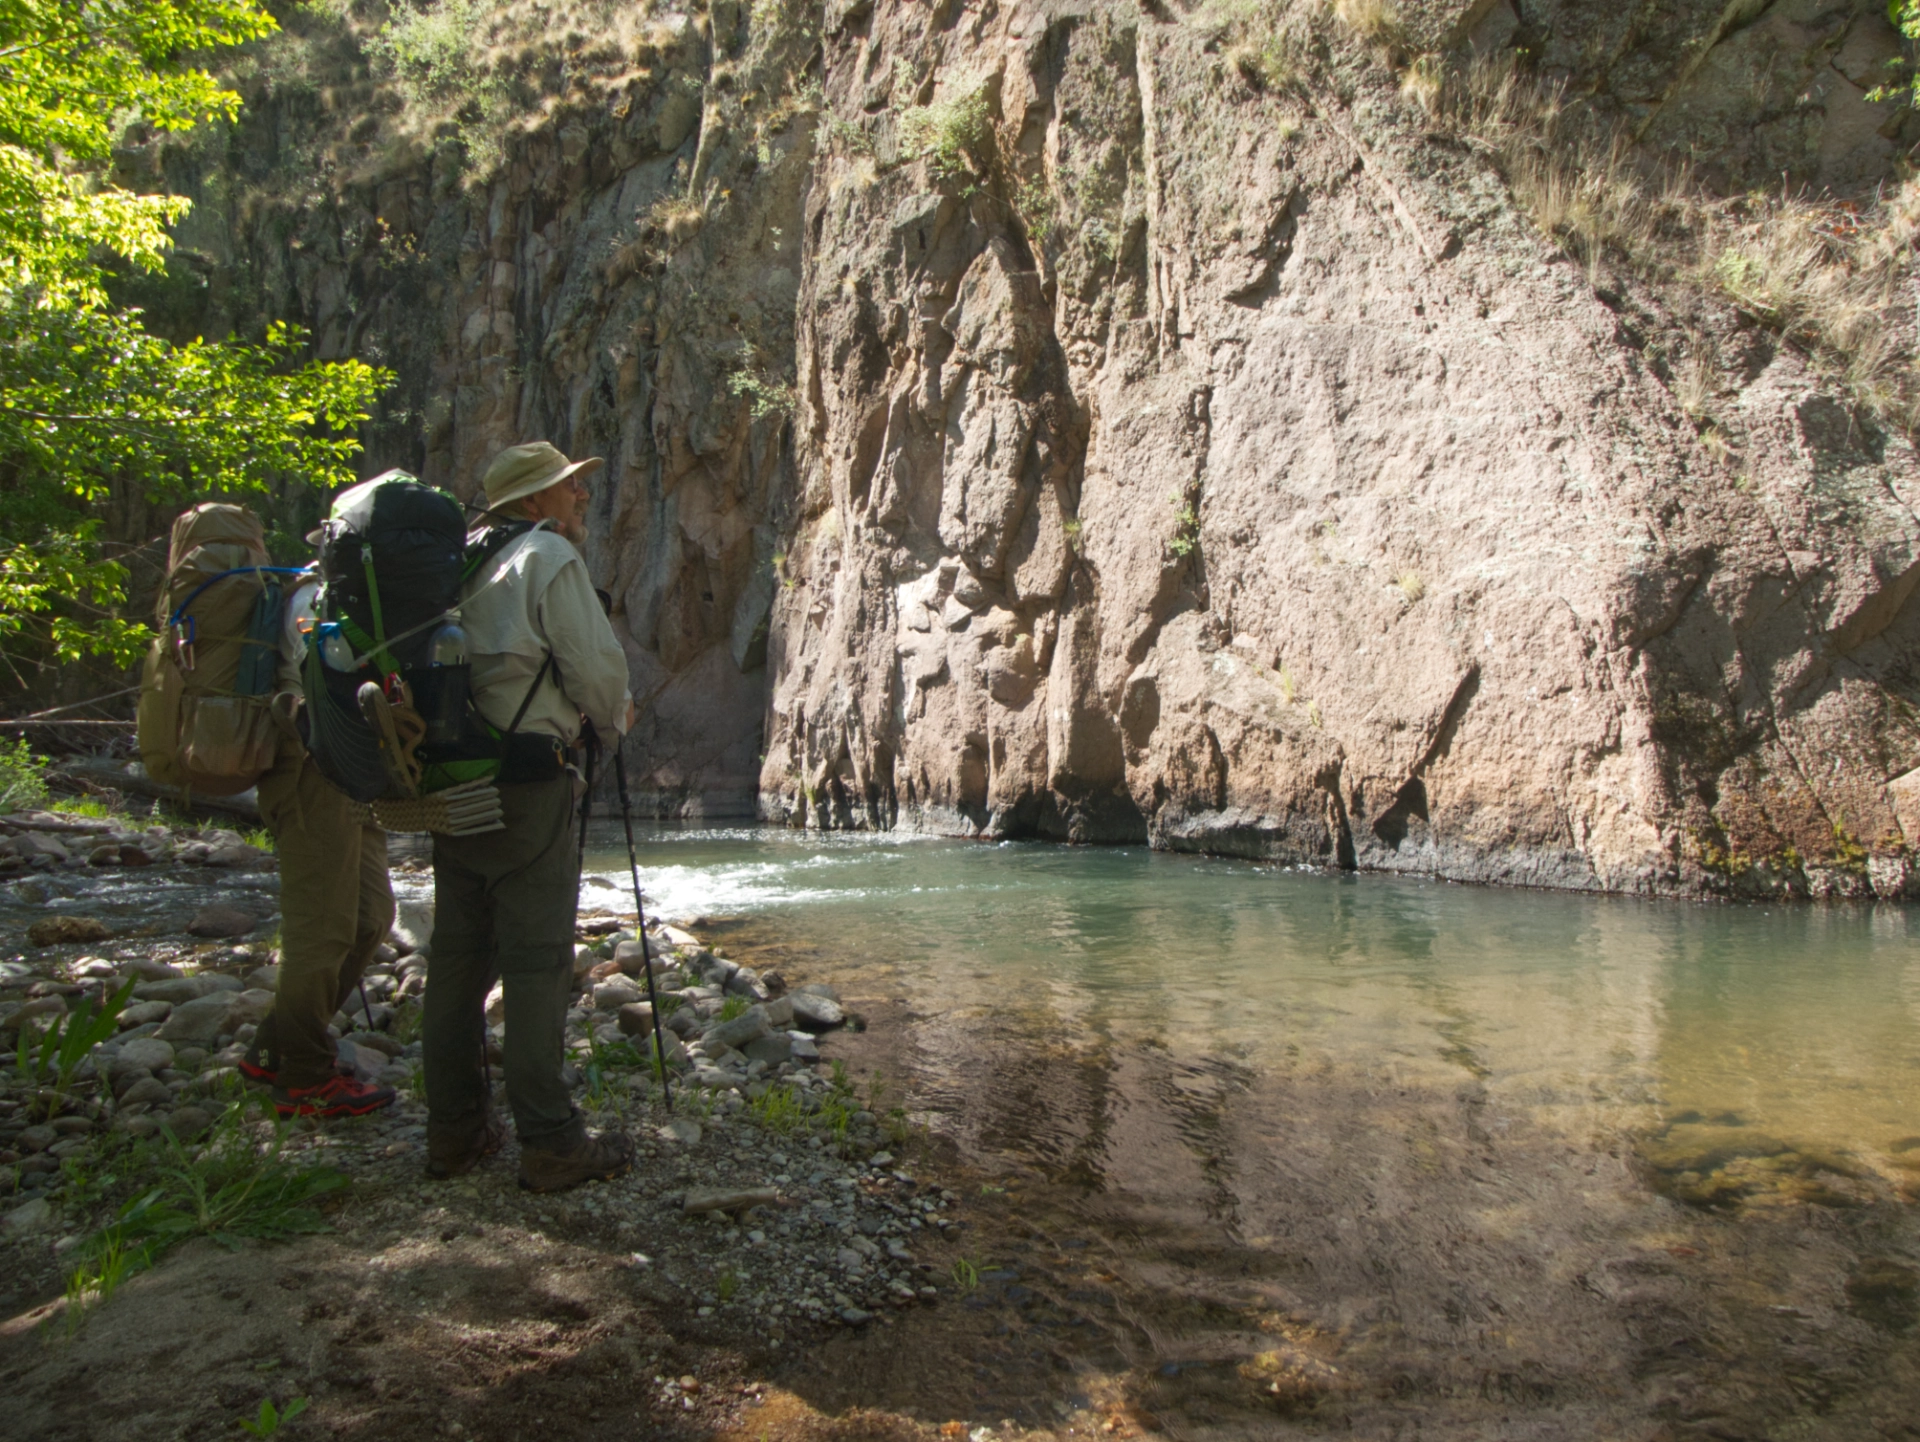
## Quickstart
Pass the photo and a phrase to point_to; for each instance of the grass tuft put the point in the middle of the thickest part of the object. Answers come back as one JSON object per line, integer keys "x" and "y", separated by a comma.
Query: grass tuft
{"x": 235, "y": 1187}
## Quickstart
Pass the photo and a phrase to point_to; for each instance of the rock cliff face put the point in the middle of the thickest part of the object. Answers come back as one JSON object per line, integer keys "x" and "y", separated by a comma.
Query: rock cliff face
{"x": 1116, "y": 424}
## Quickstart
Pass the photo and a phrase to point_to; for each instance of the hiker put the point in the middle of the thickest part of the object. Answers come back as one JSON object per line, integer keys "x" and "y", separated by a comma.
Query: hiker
{"x": 336, "y": 904}
{"x": 543, "y": 655}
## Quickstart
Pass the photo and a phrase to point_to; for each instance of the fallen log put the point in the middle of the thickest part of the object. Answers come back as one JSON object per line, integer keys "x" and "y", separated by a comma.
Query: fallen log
{"x": 131, "y": 777}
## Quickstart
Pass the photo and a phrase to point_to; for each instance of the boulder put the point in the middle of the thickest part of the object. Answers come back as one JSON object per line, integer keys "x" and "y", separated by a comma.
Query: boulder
{"x": 32, "y": 1217}
{"x": 147, "y": 968}
{"x": 148, "y": 1051}
{"x": 636, "y": 1019}
{"x": 185, "y": 988}
{"x": 42, "y": 1006}
{"x": 148, "y": 1091}
{"x": 36, "y": 1139}
{"x": 220, "y": 921}
{"x": 722, "y": 1036}
{"x": 142, "y": 1012}
{"x": 616, "y": 992}
{"x": 773, "y": 1048}
{"x": 249, "y": 1006}
{"x": 263, "y": 978}
{"x": 65, "y": 930}
{"x": 813, "y": 1012}
{"x": 199, "y": 1020}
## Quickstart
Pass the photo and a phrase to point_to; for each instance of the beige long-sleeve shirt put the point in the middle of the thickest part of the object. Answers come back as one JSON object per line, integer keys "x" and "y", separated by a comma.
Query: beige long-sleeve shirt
{"x": 535, "y": 597}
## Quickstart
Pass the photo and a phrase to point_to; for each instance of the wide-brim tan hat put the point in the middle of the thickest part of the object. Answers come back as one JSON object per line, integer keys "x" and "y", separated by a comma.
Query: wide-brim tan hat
{"x": 519, "y": 471}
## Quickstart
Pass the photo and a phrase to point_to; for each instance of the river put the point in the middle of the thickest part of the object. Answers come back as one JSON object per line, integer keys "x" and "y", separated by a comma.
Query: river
{"x": 1357, "y": 1153}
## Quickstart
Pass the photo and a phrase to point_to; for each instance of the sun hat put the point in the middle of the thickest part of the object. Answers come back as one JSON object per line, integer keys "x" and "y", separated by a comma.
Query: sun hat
{"x": 519, "y": 471}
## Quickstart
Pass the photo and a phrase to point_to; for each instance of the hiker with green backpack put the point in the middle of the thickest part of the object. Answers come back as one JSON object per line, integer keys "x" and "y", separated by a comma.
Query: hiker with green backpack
{"x": 542, "y": 656}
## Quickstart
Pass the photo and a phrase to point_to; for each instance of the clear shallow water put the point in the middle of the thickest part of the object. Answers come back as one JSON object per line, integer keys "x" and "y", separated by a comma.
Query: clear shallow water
{"x": 1589, "y": 1014}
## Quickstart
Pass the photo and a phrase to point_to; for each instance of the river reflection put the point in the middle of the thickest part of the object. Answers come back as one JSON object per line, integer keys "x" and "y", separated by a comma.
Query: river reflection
{"x": 1371, "y": 1152}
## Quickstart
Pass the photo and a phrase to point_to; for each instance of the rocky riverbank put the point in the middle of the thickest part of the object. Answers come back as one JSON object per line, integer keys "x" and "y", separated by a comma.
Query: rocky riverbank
{"x": 771, "y": 1201}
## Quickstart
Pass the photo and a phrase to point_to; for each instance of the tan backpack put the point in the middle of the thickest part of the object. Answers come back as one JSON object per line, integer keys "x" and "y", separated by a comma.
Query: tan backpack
{"x": 204, "y": 720}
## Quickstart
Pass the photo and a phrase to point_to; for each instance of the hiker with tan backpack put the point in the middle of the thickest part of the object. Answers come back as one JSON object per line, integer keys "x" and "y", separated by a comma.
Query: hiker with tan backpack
{"x": 217, "y": 715}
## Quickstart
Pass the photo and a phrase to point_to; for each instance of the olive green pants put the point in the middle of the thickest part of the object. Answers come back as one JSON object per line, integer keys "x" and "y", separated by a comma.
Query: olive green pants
{"x": 336, "y": 905}
{"x": 503, "y": 906}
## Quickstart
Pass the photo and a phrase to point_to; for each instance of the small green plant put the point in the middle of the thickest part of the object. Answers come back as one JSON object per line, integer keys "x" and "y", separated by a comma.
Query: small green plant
{"x": 1075, "y": 534}
{"x": 70, "y": 1040}
{"x": 727, "y": 1285}
{"x": 778, "y": 1110}
{"x": 91, "y": 807}
{"x": 764, "y": 398}
{"x": 1186, "y": 533}
{"x": 233, "y": 1188}
{"x": 23, "y": 778}
{"x": 837, "y": 1077}
{"x": 1271, "y": 64}
{"x": 1033, "y": 199}
{"x": 1287, "y": 684}
{"x": 899, "y": 1129}
{"x": 436, "y": 53}
{"x": 1411, "y": 586}
{"x": 259, "y": 837}
{"x": 269, "y": 1420}
{"x": 734, "y": 1006}
{"x": 966, "y": 1275}
{"x": 950, "y": 135}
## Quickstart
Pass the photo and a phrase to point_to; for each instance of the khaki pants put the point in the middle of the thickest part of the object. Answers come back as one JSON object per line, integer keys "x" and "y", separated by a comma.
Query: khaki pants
{"x": 503, "y": 906}
{"x": 336, "y": 905}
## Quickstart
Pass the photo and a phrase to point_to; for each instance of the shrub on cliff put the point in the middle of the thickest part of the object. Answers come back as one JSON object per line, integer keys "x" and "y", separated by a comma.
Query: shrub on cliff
{"x": 94, "y": 409}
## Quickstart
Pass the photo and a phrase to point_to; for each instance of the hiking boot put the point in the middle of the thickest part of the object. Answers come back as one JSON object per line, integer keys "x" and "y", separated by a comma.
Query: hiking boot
{"x": 455, "y": 1152}
{"x": 337, "y": 1096}
{"x": 594, "y": 1158}
{"x": 378, "y": 712}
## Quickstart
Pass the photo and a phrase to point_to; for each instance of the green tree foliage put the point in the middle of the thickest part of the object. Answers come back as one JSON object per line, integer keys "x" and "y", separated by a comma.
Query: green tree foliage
{"x": 91, "y": 404}
{"x": 1905, "y": 17}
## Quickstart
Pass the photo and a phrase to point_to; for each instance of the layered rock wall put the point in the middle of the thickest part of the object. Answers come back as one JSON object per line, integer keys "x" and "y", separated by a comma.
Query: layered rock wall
{"x": 1291, "y": 497}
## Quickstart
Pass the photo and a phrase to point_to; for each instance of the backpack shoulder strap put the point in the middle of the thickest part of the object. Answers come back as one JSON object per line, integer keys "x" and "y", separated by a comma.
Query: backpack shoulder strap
{"x": 490, "y": 543}
{"x": 527, "y": 700}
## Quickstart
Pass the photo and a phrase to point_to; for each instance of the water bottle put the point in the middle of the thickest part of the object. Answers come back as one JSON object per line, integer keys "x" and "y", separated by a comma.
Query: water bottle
{"x": 449, "y": 644}
{"x": 335, "y": 649}
{"x": 442, "y": 691}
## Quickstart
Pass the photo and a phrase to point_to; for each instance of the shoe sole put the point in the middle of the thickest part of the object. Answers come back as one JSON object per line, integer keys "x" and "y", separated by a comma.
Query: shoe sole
{"x": 619, "y": 1171}
{"x": 338, "y": 1109}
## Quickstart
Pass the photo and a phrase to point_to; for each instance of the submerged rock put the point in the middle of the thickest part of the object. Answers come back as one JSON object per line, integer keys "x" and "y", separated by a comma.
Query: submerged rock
{"x": 64, "y": 930}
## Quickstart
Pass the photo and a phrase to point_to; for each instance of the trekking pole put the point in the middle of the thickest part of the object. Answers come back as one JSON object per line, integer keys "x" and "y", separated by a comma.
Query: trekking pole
{"x": 590, "y": 745}
{"x": 640, "y": 922}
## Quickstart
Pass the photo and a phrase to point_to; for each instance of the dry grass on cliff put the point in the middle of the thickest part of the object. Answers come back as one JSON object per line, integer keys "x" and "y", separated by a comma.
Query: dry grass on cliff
{"x": 1829, "y": 276}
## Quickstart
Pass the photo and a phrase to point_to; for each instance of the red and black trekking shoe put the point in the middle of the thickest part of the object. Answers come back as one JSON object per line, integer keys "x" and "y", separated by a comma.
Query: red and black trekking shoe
{"x": 254, "y": 1068}
{"x": 337, "y": 1096}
